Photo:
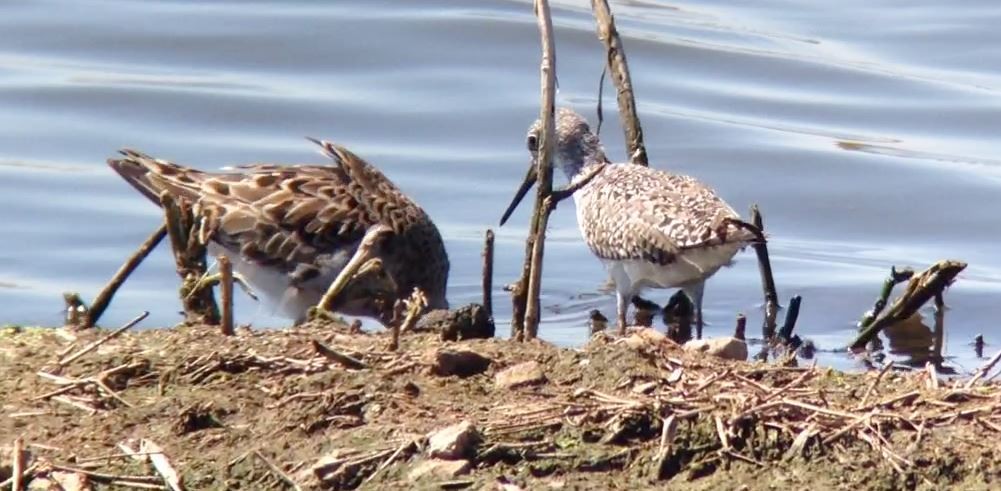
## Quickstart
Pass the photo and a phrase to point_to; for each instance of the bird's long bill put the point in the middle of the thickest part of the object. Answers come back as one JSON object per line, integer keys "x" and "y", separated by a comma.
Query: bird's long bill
{"x": 530, "y": 178}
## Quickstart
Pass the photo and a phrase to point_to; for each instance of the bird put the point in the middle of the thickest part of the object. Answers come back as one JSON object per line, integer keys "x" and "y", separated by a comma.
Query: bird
{"x": 290, "y": 229}
{"x": 650, "y": 228}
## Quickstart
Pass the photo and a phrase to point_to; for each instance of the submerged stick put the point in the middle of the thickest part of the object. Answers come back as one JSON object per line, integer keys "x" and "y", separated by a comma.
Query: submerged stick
{"x": 920, "y": 289}
{"x": 792, "y": 314}
{"x": 544, "y": 170}
{"x": 104, "y": 297}
{"x": 767, "y": 280}
{"x": 113, "y": 334}
{"x": 617, "y": 64}
{"x": 488, "y": 273}
{"x": 741, "y": 327}
{"x": 226, "y": 278}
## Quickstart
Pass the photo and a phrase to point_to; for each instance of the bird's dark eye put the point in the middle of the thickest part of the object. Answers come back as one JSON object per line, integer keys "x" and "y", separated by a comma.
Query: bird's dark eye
{"x": 533, "y": 143}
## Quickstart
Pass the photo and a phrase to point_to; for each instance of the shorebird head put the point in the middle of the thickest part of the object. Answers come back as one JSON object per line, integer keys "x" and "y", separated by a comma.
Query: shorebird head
{"x": 575, "y": 147}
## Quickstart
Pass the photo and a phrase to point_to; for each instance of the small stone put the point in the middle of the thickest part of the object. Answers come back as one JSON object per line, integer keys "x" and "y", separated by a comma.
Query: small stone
{"x": 644, "y": 337}
{"x": 644, "y": 388}
{"x": 445, "y": 469}
{"x": 41, "y": 484}
{"x": 71, "y": 481}
{"x": 463, "y": 363}
{"x": 727, "y": 348}
{"x": 454, "y": 442}
{"x": 520, "y": 375}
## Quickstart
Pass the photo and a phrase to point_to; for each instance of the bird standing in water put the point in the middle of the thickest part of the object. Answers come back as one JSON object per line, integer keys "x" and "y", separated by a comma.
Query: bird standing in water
{"x": 290, "y": 229}
{"x": 651, "y": 228}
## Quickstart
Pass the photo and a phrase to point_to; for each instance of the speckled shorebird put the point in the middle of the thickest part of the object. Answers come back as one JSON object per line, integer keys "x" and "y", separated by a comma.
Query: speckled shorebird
{"x": 290, "y": 229}
{"x": 651, "y": 228}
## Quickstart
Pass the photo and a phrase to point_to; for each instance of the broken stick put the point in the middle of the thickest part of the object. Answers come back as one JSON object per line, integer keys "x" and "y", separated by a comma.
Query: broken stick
{"x": 920, "y": 289}
{"x": 18, "y": 467}
{"x": 767, "y": 280}
{"x": 488, "y": 273}
{"x": 226, "y": 287}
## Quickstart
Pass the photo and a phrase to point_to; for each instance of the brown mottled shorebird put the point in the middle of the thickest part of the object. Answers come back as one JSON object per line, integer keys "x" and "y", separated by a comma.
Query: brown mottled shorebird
{"x": 290, "y": 229}
{"x": 651, "y": 229}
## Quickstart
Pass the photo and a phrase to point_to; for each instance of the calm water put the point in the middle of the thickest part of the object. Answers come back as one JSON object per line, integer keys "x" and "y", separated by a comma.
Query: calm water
{"x": 868, "y": 131}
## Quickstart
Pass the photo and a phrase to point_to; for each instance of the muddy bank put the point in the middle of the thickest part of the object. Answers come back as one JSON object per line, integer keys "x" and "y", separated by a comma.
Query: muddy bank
{"x": 323, "y": 407}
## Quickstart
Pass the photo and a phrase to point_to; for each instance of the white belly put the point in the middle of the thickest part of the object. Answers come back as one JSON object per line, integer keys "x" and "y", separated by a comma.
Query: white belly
{"x": 692, "y": 266}
{"x": 275, "y": 288}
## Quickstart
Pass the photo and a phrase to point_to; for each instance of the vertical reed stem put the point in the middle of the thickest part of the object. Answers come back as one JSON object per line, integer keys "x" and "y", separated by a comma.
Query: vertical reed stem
{"x": 544, "y": 168}
{"x": 226, "y": 278}
{"x": 488, "y": 273}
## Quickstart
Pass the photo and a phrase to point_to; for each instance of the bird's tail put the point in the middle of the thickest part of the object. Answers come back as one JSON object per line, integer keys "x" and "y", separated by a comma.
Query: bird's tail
{"x": 151, "y": 177}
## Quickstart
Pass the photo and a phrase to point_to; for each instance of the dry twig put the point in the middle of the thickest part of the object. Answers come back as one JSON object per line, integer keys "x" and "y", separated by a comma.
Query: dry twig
{"x": 162, "y": 464}
{"x": 336, "y": 356}
{"x": 92, "y": 346}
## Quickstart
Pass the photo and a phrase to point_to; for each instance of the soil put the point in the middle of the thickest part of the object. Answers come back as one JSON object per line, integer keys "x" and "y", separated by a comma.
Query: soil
{"x": 320, "y": 406}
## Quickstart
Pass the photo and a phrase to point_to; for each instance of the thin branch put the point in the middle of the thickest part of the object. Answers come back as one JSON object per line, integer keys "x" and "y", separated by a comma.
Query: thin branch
{"x": 601, "y": 96}
{"x": 336, "y": 356}
{"x": 617, "y": 64}
{"x": 104, "y": 297}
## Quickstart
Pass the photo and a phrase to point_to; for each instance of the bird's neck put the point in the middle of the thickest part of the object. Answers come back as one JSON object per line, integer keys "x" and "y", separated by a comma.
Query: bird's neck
{"x": 582, "y": 158}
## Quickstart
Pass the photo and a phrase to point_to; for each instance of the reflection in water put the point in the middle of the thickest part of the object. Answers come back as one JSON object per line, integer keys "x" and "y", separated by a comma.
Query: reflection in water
{"x": 751, "y": 97}
{"x": 918, "y": 343}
